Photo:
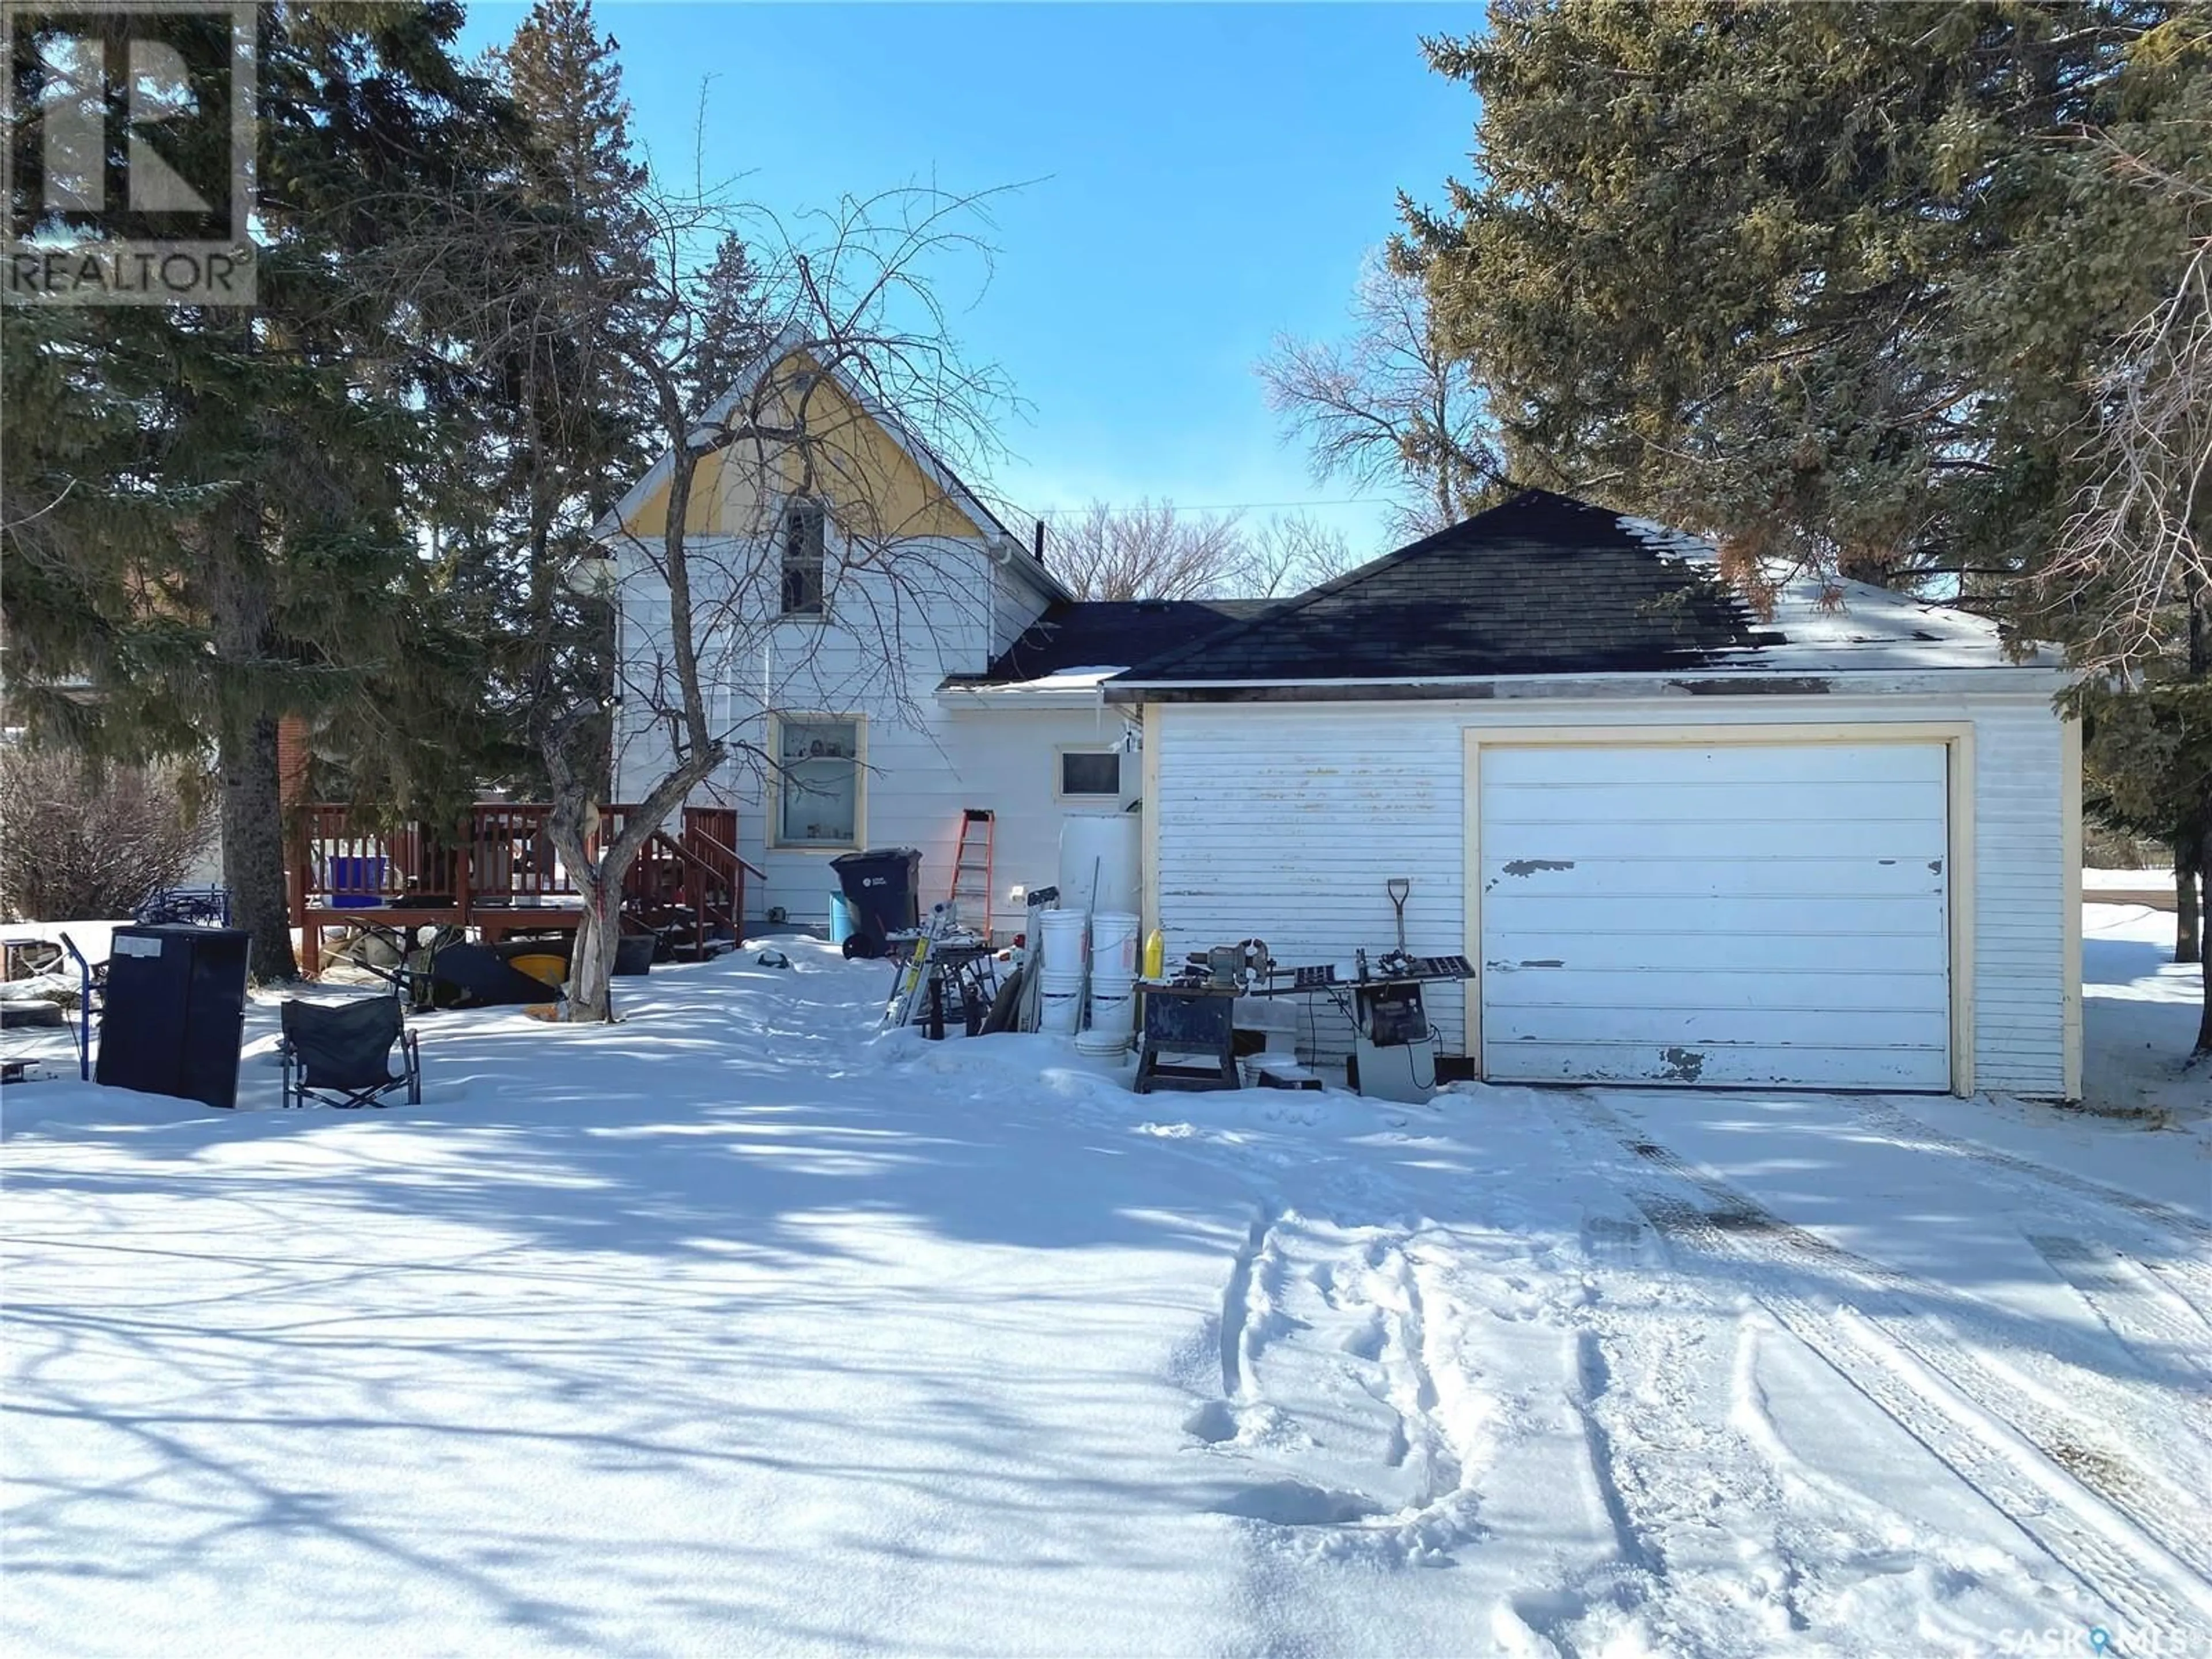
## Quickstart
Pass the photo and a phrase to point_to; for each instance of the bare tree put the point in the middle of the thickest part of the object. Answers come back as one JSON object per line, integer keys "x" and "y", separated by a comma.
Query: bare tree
{"x": 91, "y": 842}
{"x": 1148, "y": 551}
{"x": 2131, "y": 583}
{"x": 1389, "y": 408}
{"x": 736, "y": 633}
{"x": 1292, "y": 553}
{"x": 2137, "y": 539}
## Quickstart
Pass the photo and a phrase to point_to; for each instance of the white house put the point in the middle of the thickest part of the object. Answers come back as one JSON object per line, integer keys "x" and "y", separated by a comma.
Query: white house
{"x": 933, "y": 665}
{"x": 1836, "y": 847}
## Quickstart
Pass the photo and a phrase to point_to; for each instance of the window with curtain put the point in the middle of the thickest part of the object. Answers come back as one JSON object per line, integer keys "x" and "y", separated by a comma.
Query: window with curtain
{"x": 818, "y": 783}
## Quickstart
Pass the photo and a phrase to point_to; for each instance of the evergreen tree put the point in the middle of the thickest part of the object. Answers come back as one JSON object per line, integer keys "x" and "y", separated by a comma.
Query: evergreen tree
{"x": 732, "y": 327}
{"x": 1830, "y": 279}
{"x": 246, "y": 550}
{"x": 1861, "y": 288}
{"x": 560, "y": 414}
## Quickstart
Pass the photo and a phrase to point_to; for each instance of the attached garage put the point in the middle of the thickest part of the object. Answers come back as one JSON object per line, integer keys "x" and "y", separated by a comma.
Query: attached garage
{"x": 1702, "y": 912}
{"x": 1833, "y": 845}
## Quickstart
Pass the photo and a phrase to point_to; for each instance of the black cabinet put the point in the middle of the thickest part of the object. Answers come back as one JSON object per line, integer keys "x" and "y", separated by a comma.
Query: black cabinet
{"x": 175, "y": 1015}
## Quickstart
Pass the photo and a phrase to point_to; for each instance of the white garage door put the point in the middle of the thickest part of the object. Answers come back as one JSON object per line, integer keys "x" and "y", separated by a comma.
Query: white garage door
{"x": 1739, "y": 914}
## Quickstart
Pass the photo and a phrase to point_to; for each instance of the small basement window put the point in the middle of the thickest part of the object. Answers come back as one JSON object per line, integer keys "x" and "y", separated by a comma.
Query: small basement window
{"x": 1091, "y": 773}
{"x": 817, "y": 783}
{"x": 803, "y": 559}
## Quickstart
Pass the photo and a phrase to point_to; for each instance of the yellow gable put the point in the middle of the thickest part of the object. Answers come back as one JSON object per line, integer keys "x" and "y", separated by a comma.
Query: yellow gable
{"x": 859, "y": 469}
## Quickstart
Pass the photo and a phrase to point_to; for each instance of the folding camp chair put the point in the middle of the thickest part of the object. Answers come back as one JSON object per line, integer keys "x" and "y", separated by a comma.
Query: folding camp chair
{"x": 341, "y": 1053}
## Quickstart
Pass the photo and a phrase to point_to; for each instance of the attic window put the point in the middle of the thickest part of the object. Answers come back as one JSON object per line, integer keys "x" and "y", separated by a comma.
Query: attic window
{"x": 803, "y": 559}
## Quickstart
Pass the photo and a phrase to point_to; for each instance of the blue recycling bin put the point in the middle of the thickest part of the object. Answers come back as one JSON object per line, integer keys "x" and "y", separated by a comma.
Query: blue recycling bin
{"x": 842, "y": 926}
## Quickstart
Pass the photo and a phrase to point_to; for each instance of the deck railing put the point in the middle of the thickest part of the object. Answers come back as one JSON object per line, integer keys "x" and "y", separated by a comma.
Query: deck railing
{"x": 506, "y": 858}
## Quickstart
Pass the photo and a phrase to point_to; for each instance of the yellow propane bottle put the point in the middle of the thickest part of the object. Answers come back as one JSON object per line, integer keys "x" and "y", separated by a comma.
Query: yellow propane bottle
{"x": 1155, "y": 953}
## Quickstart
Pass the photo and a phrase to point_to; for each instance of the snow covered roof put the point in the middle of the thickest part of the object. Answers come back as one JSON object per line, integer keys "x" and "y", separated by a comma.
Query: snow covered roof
{"x": 1840, "y": 627}
{"x": 1062, "y": 684}
{"x": 1544, "y": 585}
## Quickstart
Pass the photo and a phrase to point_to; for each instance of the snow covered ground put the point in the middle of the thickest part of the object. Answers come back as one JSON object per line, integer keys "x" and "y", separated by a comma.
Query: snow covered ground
{"x": 737, "y": 1328}
{"x": 2139, "y": 1011}
{"x": 2098, "y": 882}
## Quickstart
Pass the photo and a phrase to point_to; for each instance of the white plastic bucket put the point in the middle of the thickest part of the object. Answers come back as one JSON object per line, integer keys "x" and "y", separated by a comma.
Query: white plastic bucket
{"x": 1114, "y": 946}
{"x": 1249, "y": 1067}
{"x": 1113, "y": 1008}
{"x": 1113, "y": 1005}
{"x": 1059, "y": 1012}
{"x": 1060, "y": 942}
{"x": 1112, "y": 1019}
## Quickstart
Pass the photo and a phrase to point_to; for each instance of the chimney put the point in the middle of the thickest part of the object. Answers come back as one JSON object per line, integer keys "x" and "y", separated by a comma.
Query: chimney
{"x": 1038, "y": 547}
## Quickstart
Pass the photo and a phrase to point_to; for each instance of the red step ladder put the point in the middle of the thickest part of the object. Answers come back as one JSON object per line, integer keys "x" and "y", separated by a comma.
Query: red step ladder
{"x": 971, "y": 868}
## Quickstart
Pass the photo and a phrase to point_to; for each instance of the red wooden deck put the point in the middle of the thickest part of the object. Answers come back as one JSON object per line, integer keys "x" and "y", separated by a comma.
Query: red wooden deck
{"x": 502, "y": 875}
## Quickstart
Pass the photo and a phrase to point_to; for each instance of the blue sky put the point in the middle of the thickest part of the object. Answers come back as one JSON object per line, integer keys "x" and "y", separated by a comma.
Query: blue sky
{"x": 1197, "y": 179}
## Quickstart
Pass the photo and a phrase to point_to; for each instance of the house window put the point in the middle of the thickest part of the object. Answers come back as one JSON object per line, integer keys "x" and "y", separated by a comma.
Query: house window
{"x": 803, "y": 559}
{"x": 1092, "y": 774}
{"x": 817, "y": 782}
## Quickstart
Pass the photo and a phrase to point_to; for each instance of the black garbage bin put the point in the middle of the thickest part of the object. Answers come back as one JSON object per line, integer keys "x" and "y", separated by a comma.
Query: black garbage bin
{"x": 883, "y": 886}
{"x": 175, "y": 1012}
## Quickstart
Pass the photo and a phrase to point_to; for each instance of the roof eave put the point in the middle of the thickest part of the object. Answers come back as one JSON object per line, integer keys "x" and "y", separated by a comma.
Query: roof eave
{"x": 1018, "y": 694}
{"x": 1671, "y": 682}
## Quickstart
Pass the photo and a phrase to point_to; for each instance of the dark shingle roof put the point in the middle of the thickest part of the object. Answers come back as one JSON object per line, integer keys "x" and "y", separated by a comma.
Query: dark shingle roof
{"x": 1112, "y": 634}
{"x": 1541, "y": 584}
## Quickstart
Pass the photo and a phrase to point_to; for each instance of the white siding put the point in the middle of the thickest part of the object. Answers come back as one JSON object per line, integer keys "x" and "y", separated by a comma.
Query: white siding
{"x": 2019, "y": 967}
{"x": 1284, "y": 820}
{"x": 881, "y": 657}
{"x": 925, "y": 768}
{"x": 1005, "y": 759}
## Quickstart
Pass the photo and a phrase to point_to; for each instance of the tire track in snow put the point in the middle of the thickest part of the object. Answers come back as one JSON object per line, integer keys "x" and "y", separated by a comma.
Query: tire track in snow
{"x": 2177, "y": 1232}
{"x": 2065, "y": 1438}
{"x": 2104, "y": 1552}
{"x": 2135, "y": 1306}
{"x": 2083, "y": 1380}
{"x": 1902, "y": 1125}
{"x": 2054, "y": 1441}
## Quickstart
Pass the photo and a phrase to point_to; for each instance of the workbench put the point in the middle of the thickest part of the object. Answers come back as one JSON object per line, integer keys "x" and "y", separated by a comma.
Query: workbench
{"x": 1195, "y": 1023}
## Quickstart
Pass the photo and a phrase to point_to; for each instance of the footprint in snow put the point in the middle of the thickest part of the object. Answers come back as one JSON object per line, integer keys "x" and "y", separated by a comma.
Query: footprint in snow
{"x": 1365, "y": 1340}
{"x": 1212, "y": 1422}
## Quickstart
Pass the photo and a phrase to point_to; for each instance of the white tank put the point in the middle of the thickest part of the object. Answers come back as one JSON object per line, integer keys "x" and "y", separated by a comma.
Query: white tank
{"x": 1100, "y": 861}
